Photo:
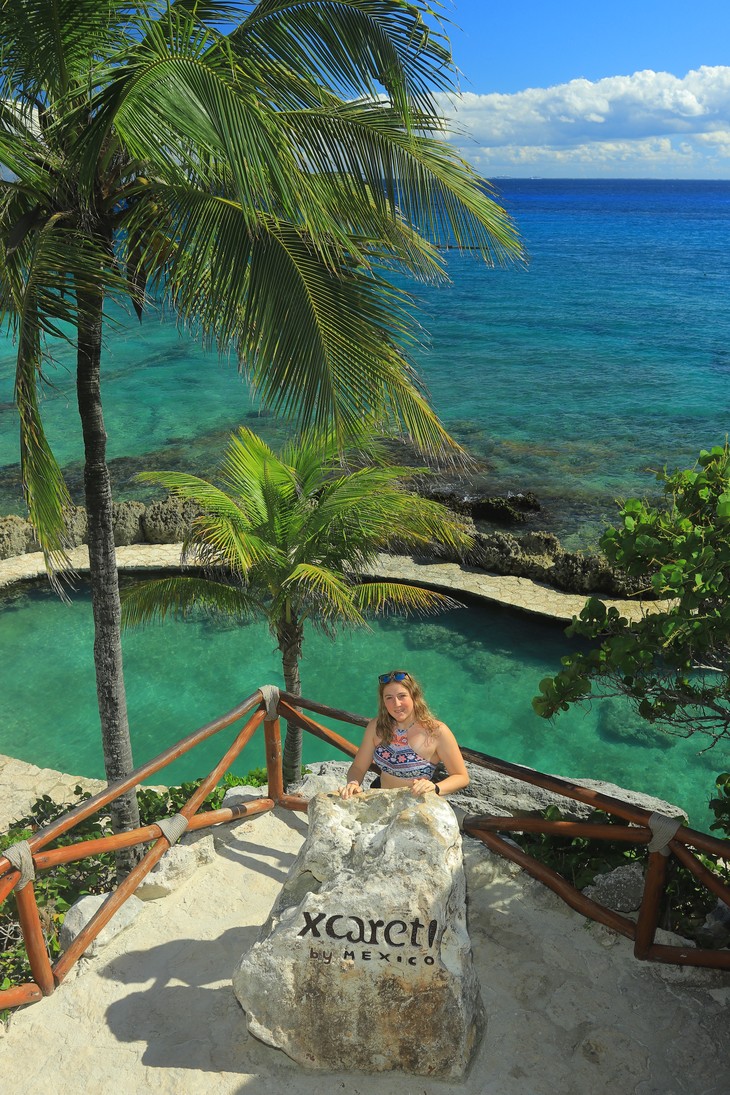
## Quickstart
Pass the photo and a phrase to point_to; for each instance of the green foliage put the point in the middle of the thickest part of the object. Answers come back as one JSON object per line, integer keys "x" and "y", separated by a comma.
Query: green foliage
{"x": 672, "y": 663}
{"x": 56, "y": 890}
{"x": 156, "y": 804}
{"x": 577, "y": 859}
{"x": 720, "y": 806}
{"x": 687, "y": 902}
{"x": 167, "y": 160}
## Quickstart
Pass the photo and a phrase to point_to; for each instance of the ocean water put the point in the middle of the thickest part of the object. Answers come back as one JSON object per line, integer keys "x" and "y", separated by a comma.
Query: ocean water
{"x": 606, "y": 358}
{"x": 480, "y": 667}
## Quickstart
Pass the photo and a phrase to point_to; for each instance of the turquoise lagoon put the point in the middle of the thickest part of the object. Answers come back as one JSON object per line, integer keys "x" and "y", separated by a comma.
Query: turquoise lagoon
{"x": 480, "y": 665}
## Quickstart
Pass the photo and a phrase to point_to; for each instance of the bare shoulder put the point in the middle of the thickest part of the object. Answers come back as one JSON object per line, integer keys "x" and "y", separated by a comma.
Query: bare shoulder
{"x": 370, "y": 730}
{"x": 441, "y": 730}
{"x": 447, "y": 747}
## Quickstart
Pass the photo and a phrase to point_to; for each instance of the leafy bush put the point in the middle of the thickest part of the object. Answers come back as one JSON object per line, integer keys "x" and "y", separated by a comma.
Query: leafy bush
{"x": 672, "y": 663}
{"x": 721, "y": 806}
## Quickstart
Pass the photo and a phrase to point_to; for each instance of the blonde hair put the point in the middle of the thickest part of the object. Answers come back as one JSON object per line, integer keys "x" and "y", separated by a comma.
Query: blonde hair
{"x": 384, "y": 725}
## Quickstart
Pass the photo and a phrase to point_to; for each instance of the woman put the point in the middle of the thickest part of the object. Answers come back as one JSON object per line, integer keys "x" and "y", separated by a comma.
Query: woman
{"x": 406, "y": 742}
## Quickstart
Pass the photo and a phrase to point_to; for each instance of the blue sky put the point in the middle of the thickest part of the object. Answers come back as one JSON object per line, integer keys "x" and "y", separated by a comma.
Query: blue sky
{"x": 635, "y": 88}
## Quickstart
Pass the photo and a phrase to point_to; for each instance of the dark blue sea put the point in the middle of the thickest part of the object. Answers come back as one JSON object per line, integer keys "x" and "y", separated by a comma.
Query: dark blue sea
{"x": 609, "y": 356}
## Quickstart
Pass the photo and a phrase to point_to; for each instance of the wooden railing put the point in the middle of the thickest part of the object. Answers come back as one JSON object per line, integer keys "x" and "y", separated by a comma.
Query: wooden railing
{"x": 642, "y": 828}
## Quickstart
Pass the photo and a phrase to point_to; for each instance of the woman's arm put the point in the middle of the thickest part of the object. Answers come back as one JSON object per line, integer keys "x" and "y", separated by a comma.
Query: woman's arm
{"x": 449, "y": 754}
{"x": 361, "y": 762}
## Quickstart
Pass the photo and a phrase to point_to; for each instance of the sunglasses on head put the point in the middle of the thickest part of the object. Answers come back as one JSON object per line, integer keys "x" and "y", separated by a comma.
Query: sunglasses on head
{"x": 396, "y": 675}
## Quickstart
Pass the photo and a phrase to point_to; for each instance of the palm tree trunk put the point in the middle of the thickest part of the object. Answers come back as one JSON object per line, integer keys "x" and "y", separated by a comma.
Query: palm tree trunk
{"x": 290, "y": 635}
{"x": 110, "y": 689}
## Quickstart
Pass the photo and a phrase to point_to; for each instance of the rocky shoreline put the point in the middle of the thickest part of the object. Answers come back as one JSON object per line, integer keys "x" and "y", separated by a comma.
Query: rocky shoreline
{"x": 538, "y": 556}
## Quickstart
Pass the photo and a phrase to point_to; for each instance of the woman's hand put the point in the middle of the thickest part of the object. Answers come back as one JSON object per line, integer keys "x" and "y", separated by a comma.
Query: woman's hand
{"x": 422, "y": 786}
{"x": 351, "y": 788}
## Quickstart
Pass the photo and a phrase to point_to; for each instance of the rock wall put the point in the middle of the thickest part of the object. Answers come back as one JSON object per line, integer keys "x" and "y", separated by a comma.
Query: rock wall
{"x": 541, "y": 557}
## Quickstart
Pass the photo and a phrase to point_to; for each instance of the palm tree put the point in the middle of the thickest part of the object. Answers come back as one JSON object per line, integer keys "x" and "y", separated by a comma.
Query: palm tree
{"x": 260, "y": 167}
{"x": 288, "y": 537}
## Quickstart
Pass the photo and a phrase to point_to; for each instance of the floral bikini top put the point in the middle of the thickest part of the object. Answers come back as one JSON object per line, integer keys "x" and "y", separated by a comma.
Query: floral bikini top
{"x": 397, "y": 758}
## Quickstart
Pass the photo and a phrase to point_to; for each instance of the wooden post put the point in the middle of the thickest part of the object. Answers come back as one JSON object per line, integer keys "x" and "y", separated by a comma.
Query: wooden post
{"x": 105, "y": 912}
{"x": 294, "y": 802}
{"x": 274, "y": 768}
{"x": 628, "y": 834}
{"x": 556, "y": 883}
{"x": 710, "y": 881}
{"x": 648, "y": 919}
{"x": 35, "y": 944}
{"x": 153, "y": 855}
{"x": 20, "y": 994}
{"x": 85, "y": 809}
{"x": 689, "y": 956}
{"x": 70, "y": 853}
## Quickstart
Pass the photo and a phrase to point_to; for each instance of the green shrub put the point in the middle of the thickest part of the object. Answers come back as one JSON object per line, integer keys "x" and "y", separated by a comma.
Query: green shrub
{"x": 721, "y": 806}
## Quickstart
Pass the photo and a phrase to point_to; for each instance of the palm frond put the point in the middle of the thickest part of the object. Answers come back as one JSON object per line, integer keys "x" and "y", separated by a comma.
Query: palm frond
{"x": 360, "y": 46}
{"x": 305, "y": 361}
{"x": 180, "y": 106}
{"x": 180, "y": 597}
{"x": 44, "y": 487}
{"x": 382, "y": 598}
{"x": 327, "y": 595}
{"x": 224, "y": 534}
{"x": 248, "y": 465}
{"x": 407, "y": 175}
{"x": 48, "y": 46}
{"x": 374, "y": 498}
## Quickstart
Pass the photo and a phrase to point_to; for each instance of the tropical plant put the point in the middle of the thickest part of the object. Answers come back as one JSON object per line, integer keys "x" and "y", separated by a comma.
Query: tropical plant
{"x": 260, "y": 167}
{"x": 287, "y": 538}
{"x": 720, "y": 806}
{"x": 673, "y": 661}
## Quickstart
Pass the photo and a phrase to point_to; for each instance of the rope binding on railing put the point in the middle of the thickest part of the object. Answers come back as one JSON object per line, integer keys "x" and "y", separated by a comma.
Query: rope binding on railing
{"x": 271, "y": 699}
{"x": 21, "y": 858}
{"x": 173, "y": 827}
{"x": 663, "y": 828}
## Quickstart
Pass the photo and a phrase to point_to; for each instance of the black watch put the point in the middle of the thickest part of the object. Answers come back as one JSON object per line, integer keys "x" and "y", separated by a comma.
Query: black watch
{"x": 437, "y": 789}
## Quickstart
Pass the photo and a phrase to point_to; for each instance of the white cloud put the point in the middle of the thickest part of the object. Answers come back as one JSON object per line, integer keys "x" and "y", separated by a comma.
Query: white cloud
{"x": 652, "y": 123}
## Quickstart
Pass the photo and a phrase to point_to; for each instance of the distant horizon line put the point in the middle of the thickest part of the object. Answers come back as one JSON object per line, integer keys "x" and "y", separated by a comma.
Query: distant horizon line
{"x": 607, "y": 178}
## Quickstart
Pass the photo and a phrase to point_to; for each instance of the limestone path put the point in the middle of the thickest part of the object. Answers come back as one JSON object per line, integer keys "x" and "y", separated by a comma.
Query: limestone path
{"x": 519, "y": 593}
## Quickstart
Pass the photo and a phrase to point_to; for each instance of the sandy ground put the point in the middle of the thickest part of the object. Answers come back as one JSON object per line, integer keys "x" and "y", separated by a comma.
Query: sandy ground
{"x": 570, "y": 1011}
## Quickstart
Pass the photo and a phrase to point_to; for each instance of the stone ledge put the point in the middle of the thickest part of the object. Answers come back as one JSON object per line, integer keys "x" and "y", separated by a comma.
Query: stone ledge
{"x": 523, "y": 594}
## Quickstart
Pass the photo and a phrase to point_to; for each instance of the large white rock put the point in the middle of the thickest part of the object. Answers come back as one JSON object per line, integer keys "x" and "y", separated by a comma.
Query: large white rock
{"x": 365, "y": 961}
{"x": 177, "y": 866}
